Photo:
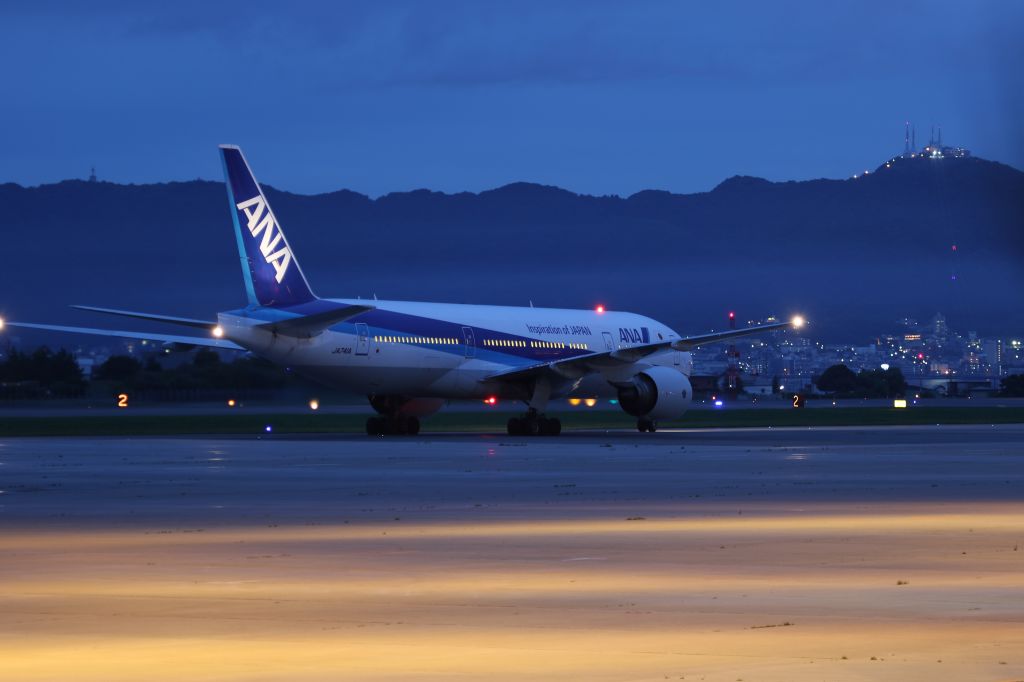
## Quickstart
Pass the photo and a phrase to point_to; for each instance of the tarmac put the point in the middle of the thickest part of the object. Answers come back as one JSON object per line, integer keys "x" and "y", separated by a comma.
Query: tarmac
{"x": 882, "y": 553}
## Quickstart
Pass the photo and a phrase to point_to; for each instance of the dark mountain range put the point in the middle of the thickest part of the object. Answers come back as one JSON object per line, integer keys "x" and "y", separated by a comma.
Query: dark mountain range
{"x": 854, "y": 255}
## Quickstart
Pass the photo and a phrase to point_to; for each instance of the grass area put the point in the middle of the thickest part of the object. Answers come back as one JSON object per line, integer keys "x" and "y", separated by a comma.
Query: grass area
{"x": 240, "y": 423}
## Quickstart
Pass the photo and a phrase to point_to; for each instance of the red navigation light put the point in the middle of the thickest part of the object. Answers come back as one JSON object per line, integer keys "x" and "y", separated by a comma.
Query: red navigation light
{"x": 599, "y": 308}
{"x": 920, "y": 356}
{"x": 491, "y": 400}
{"x": 732, "y": 315}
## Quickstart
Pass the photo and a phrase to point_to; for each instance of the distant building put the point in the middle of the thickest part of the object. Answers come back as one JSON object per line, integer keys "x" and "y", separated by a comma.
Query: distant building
{"x": 935, "y": 149}
{"x": 992, "y": 349}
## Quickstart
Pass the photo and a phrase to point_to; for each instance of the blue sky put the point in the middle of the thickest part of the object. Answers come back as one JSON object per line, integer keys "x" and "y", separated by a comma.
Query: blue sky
{"x": 596, "y": 97}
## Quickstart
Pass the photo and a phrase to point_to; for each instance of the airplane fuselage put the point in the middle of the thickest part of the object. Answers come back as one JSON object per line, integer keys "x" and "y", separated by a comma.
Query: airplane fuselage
{"x": 448, "y": 350}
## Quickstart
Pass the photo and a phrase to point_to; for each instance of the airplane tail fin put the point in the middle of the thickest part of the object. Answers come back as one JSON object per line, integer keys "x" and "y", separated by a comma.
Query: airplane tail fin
{"x": 272, "y": 275}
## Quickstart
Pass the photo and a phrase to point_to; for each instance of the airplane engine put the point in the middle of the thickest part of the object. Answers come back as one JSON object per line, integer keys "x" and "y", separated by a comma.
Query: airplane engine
{"x": 657, "y": 393}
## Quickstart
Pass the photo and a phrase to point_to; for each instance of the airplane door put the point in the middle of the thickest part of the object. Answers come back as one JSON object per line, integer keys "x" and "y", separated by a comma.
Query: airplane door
{"x": 362, "y": 339}
{"x": 467, "y": 336}
{"x": 608, "y": 343}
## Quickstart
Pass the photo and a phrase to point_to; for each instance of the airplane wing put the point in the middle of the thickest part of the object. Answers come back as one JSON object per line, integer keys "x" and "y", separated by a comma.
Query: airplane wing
{"x": 223, "y": 344}
{"x": 584, "y": 364}
{"x": 184, "y": 321}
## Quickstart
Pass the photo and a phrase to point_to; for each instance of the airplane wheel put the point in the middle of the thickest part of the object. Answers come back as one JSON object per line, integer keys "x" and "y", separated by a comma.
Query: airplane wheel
{"x": 551, "y": 427}
{"x": 515, "y": 426}
{"x": 531, "y": 427}
{"x": 374, "y": 426}
{"x": 412, "y": 426}
{"x": 646, "y": 425}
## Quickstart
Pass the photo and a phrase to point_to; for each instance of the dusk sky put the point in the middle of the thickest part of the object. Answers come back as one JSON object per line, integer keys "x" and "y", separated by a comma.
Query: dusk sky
{"x": 596, "y": 97}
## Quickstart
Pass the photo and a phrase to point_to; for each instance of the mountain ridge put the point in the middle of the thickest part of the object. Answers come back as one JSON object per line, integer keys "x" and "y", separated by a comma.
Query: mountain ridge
{"x": 852, "y": 253}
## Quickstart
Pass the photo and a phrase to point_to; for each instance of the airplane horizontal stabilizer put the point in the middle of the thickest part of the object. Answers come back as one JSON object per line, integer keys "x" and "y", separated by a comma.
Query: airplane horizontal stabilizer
{"x": 311, "y": 325}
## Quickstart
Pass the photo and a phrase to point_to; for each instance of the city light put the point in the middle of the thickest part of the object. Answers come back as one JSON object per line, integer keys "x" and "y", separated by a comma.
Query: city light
{"x": 590, "y": 402}
{"x": 798, "y": 321}
{"x": 217, "y": 331}
{"x": 718, "y": 403}
{"x": 231, "y": 402}
{"x": 574, "y": 401}
{"x": 491, "y": 400}
{"x": 268, "y": 428}
{"x": 314, "y": 404}
{"x": 899, "y": 403}
{"x": 1, "y": 324}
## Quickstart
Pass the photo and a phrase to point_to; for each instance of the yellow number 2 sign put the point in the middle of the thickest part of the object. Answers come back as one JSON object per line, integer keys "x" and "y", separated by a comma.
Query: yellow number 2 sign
{"x": 122, "y": 400}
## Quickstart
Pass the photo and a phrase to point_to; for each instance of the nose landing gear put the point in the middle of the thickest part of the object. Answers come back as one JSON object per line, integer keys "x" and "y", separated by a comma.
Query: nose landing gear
{"x": 644, "y": 425}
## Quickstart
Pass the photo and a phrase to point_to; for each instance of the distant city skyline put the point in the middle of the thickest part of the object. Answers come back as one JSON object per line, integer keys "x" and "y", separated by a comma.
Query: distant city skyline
{"x": 597, "y": 98}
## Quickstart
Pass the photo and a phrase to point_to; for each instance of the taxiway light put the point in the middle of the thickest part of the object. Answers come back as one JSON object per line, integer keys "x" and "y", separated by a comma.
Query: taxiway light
{"x": 885, "y": 366}
{"x": 491, "y": 400}
{"x": 231, "y": 402}
{"x": 798, "y": 321}
{"x": 732, "y": 315}
{"x": 268, "y": 428}
{"x": 217, "y": 331}
{"x": 574, "y": 401}
{"x": 314, "y": 404}
{"x": 899, "y": 403}
{"x": 590, "y": 402}
{"x": 599, "y": 309}
{"x": 718, "y": 403}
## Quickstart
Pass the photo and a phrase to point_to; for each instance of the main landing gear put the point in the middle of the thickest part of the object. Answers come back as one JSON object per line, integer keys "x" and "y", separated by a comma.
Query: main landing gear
{"x": 534, "y": 424}
{"x": 396, "y": 424}
{"x": 645, "y": 425}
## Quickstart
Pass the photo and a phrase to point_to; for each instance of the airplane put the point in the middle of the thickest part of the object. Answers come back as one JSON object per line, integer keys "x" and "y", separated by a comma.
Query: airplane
{"x": 410, "y": 358}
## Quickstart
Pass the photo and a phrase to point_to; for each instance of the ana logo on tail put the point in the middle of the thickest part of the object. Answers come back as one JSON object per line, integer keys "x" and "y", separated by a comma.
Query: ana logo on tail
{"x": 261, "y": 220}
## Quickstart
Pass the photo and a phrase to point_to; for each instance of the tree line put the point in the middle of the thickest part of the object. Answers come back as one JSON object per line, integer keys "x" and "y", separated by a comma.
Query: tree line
{"x": 46, "y": 373}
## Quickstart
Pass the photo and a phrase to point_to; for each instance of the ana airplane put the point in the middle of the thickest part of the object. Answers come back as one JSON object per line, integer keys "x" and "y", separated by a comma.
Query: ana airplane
{"x": 409, "y": 358}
